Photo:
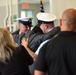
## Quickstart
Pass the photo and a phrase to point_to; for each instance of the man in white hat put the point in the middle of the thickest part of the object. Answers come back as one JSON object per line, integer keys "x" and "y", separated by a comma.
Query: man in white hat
{"x": 24, "y": 27}
{"x": 46, "y": 24}
{"x": 46, "y": 21}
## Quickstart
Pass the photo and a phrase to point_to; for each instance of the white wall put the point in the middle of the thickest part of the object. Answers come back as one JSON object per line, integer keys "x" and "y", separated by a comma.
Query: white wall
{"x": 47, "y": 7}
{"x": 58, "y": 6}
{"x": 2, "y": 15}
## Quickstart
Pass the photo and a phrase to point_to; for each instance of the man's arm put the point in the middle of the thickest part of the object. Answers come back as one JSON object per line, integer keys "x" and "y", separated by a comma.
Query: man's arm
{"x": 48, "y": 35}
{"x": 36, "y": 39}
{"x": 25, "y": 44}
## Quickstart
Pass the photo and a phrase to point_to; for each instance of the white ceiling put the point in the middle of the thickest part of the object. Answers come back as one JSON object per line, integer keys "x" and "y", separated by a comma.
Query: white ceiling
{"x": 32, "y": 1}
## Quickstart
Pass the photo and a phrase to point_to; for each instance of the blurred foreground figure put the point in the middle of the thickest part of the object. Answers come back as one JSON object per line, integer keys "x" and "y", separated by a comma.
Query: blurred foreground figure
{"x": 13, "y": 60}
{"x": 58, "y": 56}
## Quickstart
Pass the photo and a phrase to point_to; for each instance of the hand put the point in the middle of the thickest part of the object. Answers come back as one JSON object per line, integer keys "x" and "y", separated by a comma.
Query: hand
{"x": 25, "y": 42}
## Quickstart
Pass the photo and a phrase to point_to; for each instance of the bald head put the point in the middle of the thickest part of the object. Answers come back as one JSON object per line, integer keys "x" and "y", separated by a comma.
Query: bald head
{"x": 69, "y": 18}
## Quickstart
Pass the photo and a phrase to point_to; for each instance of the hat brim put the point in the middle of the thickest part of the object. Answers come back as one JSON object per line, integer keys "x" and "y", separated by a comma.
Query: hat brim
{"x": 46, "y": 17}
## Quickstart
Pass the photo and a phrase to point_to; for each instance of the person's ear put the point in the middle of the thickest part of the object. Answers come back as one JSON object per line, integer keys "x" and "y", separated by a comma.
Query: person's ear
{"x": 60, "y": 22}
{"x": 46, "y": 26}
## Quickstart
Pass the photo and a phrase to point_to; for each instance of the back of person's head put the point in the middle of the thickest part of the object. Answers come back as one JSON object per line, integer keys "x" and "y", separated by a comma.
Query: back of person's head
{"x": 6, "y": 45}
{"x": 69, "y": 19}
{"x": 46, "y": 18}
{"x": 46, "y": 21}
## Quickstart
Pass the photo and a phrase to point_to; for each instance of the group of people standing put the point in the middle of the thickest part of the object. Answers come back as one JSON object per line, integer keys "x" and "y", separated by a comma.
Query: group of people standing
{"x": 49, "y": 50}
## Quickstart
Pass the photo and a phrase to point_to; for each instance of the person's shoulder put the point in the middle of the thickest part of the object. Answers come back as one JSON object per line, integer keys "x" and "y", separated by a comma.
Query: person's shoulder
{"x": 28, "y": 34}
{"x": 20, "y": 47}
{"x": 55, "y": 29}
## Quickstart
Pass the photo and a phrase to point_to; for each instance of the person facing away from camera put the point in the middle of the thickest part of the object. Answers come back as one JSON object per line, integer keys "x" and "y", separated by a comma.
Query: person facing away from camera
{"x": 58, "y": 56}
{"x": 13, "y": 60}
{"x": 46, "y": 25}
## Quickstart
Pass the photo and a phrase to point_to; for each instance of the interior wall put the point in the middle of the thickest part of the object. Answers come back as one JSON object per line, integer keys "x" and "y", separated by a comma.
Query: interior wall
{"x": 47, "y": 7}
{"x": 3, "y": 10}
{"x": 2, "y": 15}
{"x": 58, "y": 6}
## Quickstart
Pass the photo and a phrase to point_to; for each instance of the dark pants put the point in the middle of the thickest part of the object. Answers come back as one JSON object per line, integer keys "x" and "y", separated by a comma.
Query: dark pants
{"x": 31, "y": 68}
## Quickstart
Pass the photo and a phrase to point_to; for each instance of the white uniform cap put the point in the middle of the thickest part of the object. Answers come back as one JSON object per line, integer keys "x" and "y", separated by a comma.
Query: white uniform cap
{"x": 46, "y": 17}
{"x": 25, "y": 21}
